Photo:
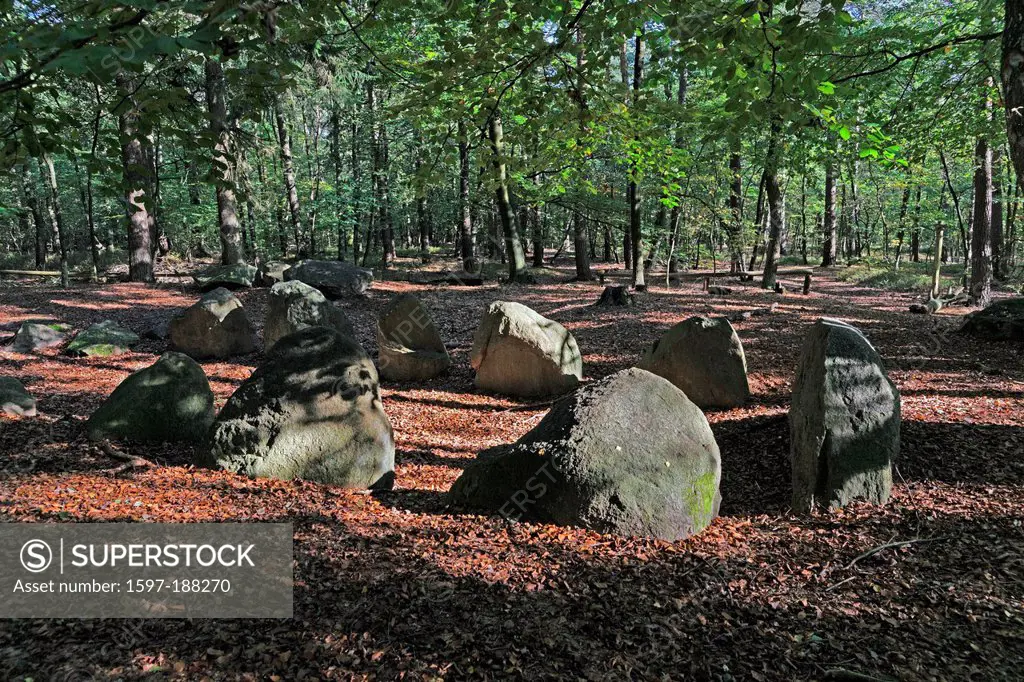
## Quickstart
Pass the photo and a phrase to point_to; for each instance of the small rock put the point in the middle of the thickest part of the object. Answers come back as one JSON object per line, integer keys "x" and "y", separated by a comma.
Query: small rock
{"x": 35, "y": 336}
{"x": 14, "y": 399}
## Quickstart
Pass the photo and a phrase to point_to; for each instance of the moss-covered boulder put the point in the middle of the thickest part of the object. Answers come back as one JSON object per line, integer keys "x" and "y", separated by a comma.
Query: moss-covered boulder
{"x": 15, "y": 400}
{"x": 168, "y": 401}
{"x": 629, "y": 454}
{"x": 312, "y": 410}
{"x": 409, "y": 346}
{"x": 216, "y": 326}
{"x": 238, "y": 276}
{"x": 1001, "y": 321}
{"x": 704, "y": 358}
{"x": 293, "y": 306}
{"x": 519, "y": 352}
{"x": 844, "y": 420}
{"x": 36, "y": 335}
{"x": 102, "y": 339}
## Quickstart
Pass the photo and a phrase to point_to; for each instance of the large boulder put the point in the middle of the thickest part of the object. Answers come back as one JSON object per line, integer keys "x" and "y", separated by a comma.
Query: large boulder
{"x": 237, "y": 276}
{"x": 629, "y": 454}
{"x": 293, "y": 306}
{"x": 271, "y": 272}
{"x": 844, "y": 421}
{"x": 216, "y": 326}
{"x": 15, "y": 400}
{"x": 1001, "y": 321}
{"x": 410, "y": 347}
{"x": 33, "y": 336}
{"x": 703, "y": 357}
{"x": 102, "y": 339}
{"x": 334, "y": 278}
{"x": 168, "y": 401}
{"x": 519, "y": 352}
{"x": 311, "y": 411}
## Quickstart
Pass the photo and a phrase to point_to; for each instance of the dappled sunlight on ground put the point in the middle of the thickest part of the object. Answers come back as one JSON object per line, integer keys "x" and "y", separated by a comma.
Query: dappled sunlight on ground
{"x": 394, "y": 583}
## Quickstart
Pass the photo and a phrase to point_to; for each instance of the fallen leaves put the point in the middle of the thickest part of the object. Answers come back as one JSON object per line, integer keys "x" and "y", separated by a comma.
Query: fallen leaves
{"x": 393, "y": 586}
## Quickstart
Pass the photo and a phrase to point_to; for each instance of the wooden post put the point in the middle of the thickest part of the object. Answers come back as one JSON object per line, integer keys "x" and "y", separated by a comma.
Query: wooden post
{"x": 807, "y": 284}
{"x": 707, "y": 283}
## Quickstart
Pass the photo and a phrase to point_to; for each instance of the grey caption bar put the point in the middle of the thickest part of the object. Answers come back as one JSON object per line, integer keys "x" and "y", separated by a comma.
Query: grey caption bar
{"x": 146, "y": 570}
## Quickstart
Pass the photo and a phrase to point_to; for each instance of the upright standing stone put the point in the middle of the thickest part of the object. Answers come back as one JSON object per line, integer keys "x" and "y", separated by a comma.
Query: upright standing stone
{"x": 628, "y": 454}
{"x": 704, "y": 358}
{"x": 844, "y": 420}
{"x": 168, "y": 401}
{"x": 214, "y": 327}
{"x": 312, "y": 410}
{"x": 293, "y": 306}
{"x": 517, "y": 351}
{"x": 410, "y": 347}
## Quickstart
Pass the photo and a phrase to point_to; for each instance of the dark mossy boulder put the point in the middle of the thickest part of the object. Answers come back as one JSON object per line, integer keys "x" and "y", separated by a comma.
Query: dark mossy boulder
{"x": 36, "y": 335}
{"x": 101, "y": 340}
{"x": 238, "y": 276}
{"x": 334, "y": 278}
{"x": 1001, "y": 321}
{"x": 168, "y": 401}
{"x": 844, "y": 420}
{"x": 629, "y": 454}
{"x": 313, "y": 411}
{"x": 15, "y": 400}
{"x": 293, "y": 306}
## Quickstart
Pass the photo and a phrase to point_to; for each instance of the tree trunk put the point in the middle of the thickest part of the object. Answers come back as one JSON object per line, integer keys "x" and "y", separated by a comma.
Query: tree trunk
{"x": 1013, "y": 81}
{"x": 135, "y": 172}
{"x": 776, "y": 207}
{"x": 635, "y": 215}
{"x": 291, "y": 192}
{"x": 356, "y": 211}
{"x": 579, "y": 233}
{"x": 513, "y": 245}
{"x": 466, "y": 237}
{"x": 231, "y": 251}
{"x": 981, "y": 240}
{"x": 735, "y": 213}
{"x": 997, "y": 215}
{"x": 937, "y": 259}
{"x": 31, "y": 201}
{"x": 830, "y": 238}
{"x": 58, "y": 218}
{"x": 422, "y": 219}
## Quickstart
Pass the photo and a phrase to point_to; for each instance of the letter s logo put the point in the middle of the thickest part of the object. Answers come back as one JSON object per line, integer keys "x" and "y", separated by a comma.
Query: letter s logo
{"x": 36, "y": 556}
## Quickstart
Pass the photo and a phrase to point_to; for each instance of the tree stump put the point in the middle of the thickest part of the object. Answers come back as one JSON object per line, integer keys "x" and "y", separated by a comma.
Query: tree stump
{"x": 618, "y": 295}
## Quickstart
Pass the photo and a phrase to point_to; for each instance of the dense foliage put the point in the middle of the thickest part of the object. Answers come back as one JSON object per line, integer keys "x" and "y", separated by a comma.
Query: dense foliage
{"x": 646, "y": 132}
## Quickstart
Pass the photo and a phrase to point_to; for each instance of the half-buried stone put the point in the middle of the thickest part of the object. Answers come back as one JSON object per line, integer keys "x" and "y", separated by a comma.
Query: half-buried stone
{"x": 519, "y": 352}
{"x": 293, "y": 306}
{"x": 334, "y": 278}
{"x": 168, "y": 401}
{"x": 1001, "y": 321}
{"x": 704, "y": 358}
{"x": 216, "y": 326}
{"x": 237, "y": 276}
{"x": 844, "y": 420}
{"x": 102, "y": 339}
{"x": 15, "y": 400}
{"x": 312, "y": 410}
{"x": 409, "y": 345}
{"x": 629, "y": 454}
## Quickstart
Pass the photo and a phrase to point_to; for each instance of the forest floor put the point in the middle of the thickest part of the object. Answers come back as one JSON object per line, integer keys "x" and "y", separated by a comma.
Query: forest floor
{"x": 395, "y": 585}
